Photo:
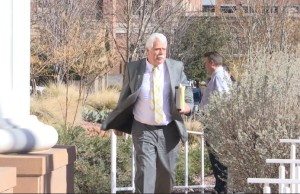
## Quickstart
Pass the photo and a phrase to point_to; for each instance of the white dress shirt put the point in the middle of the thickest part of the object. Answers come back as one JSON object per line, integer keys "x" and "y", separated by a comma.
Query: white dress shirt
{"x": 219, "y": 82}
{"x": 142, "y": 110}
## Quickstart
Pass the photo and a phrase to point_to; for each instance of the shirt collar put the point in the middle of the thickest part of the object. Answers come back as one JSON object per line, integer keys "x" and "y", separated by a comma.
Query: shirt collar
{"x": 218, "y": 69}
{"x": 149, "y": 66}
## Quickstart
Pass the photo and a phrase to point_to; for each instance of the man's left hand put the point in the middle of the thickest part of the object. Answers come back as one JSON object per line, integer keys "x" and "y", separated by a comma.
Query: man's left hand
{"x": 186, "y": 109}
{"x": 118, "y": 133}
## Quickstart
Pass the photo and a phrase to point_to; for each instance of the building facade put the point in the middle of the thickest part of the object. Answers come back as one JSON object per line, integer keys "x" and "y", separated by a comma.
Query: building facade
{"x": 248, "y": 7}
{"x": 122, "y": 16}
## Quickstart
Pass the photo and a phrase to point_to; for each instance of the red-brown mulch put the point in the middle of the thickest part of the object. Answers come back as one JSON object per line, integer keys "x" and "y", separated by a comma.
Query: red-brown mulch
{"x": 93, "y": 129}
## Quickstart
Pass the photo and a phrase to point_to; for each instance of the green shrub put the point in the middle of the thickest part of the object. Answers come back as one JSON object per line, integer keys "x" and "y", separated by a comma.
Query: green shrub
{"x": 91, "y": 115}
{"x": 194, "y": 165}
{"x": 93, "y": 164}
{"x": 245, "y": 127}
{"x": 92, "y": 167}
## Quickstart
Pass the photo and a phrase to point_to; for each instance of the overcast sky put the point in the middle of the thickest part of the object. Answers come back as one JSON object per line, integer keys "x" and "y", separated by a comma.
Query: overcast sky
{"x": 208, "y": 2}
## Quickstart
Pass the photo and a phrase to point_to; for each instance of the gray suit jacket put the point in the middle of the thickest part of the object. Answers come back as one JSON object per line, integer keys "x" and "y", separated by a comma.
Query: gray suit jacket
{"x": 121, "y": 117}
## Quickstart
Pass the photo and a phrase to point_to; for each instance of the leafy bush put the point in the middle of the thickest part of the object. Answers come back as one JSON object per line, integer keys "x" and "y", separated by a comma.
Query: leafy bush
{"x": 194, "y": 165}
{"x": 90, "y": 115}
{"x": 92, "y": 167}
{"x": 201, "y": 35}
{"x": 95, "y": 115}
{"x": 99, "y": 105}
{"x": 245, "y": 128}
{"x": 93, "y": 164}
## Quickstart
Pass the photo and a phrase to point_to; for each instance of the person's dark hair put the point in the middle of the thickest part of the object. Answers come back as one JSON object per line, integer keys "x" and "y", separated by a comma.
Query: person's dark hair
{"x": 215, "y": 57}
{"x": 197, "y": 84}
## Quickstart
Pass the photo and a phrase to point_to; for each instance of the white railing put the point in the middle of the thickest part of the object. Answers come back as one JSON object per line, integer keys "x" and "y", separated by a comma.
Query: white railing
{"x": 291, "y": 185}
{"x": 184, "y": 187}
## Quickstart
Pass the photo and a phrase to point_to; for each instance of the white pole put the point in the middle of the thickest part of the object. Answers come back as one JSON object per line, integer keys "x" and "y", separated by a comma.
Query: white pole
{"x": 186, "y": 163}
{"x": 21, "y": 58}
{"x": 133, "y": 169}
{"x": 6, "y": 49}
{"x": 266, "y": 188}
{"x": 15, "y": 58}
{"x": 297, "y": 177}
{"x": 287, "y": 190}
{"x": 293, "y": 167}
{"x": 202, "y": 160}
{"x": 113, "y": 162}
{"x": 19, "y": 131}
{"x": 281, "y": 176}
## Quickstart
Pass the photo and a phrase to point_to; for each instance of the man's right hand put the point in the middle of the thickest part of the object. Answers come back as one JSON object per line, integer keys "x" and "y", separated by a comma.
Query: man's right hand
{"x": 118, "y": 133}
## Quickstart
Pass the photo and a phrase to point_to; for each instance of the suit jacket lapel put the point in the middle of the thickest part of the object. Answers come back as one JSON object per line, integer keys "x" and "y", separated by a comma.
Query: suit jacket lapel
{"x": 140, "y": 74}
{"x": 172, "y": 72}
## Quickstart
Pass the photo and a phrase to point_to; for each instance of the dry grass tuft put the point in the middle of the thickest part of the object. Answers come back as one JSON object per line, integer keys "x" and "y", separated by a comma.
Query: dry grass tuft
{"x": 106, "y": 99}
{"x": 51, "y": 107}
{"x": 193, "y": 125}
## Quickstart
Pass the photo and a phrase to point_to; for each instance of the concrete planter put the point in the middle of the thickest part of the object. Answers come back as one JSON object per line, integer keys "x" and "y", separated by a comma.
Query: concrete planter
{"x": 49, "y": 171}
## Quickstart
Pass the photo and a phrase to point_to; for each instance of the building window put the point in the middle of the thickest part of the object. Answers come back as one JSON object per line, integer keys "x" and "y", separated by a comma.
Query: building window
{"x": 208, "y": 10}
{"x": 271, "y": 9}
{"x": 294, "y": 9}
{"x": 248, "y": 9}
{"x": 228, "y": 8}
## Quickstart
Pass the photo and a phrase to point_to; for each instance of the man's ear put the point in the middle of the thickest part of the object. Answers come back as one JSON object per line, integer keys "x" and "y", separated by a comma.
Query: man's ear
{"x": 213, "y": 64}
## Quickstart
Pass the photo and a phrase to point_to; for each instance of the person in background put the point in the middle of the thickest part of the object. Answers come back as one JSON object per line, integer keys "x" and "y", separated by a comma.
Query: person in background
{"x": 219, "y": 82}
{"x": 154, "y": 121}
{"x": 197, "y": 95}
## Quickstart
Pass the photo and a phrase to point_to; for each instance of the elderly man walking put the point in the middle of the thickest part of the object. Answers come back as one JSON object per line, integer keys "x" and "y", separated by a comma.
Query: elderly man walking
{"x": 147, "y": 110}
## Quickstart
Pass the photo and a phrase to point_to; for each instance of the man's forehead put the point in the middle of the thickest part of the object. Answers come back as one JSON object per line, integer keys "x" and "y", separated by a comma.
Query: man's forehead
{"x": 154, "y": 47}
{"x": 162, "y": 45}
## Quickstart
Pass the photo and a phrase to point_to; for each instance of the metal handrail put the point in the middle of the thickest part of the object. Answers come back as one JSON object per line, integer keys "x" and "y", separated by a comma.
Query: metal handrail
{"x": 185, "y": 187}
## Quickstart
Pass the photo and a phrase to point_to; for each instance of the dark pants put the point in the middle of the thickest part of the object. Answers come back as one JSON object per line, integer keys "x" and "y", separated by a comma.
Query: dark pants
{"x": 220, "y": 173}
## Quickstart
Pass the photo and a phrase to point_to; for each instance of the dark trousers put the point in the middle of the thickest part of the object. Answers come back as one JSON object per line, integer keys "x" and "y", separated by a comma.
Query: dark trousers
{"x": 220, "y": 173}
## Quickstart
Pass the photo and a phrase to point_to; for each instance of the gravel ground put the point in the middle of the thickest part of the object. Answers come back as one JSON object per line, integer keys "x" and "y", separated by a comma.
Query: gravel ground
{"x": 208, "y": 180}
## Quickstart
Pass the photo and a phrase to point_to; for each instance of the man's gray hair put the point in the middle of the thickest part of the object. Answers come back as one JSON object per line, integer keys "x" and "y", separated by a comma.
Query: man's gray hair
{"x": 153, "y": 37}
{"x": 215, "y": 57}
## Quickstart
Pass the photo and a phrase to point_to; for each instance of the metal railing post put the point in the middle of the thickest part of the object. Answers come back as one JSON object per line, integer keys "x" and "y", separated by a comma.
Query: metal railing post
{"x": 113, "y": 162}
{"x": 186, "y": 166}
{"x": 202, "y": 160}
{"x": 133, "y": 168}
{"x": 293, "y": 167}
